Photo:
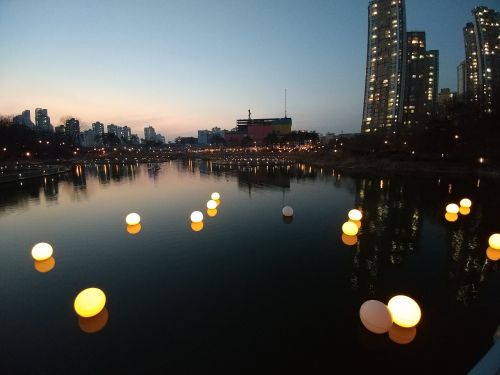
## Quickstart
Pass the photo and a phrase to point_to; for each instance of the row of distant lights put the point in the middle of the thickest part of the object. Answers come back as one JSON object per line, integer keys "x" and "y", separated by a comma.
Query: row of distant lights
{"x": 451, "y": 215}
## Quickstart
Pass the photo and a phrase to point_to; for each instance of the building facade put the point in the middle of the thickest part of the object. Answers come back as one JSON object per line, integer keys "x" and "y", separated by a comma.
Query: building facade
{"x": 431, "y": 82}
{"x": 72, "y": 128}
{"x": 42, "y": 120}
{"x": 98, "y": 128}
{"x": 461, "y": 80}
{"x": 414, "y": 109}
{"x": 385, "y": 65}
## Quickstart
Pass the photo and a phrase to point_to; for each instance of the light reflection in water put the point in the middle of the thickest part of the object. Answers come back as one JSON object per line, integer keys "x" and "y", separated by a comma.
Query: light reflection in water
{"x": 95, "y": 323}
{"x": 46, "y": 265}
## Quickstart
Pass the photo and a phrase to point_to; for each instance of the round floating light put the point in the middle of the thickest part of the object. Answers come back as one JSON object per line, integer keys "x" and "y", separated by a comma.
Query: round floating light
{"x": 355, "y": 215}
{"x": 89, "y": 302}
{"x": 134, "y": 229}
{"x": 212, "y": 212}
{"x": 464, "y": 211}
{"x": 402, "y": 335}
{"x": 45, "y": 265}
{"x": 215, "y": 196}
{"x": 451, "y": 217}
{"x": 494, "y": 241}
{"x": 375, "y": 316}
{"x": 350, "y": 228}
{"x": 133, "y": 219}
{"x": 211, "y": 204}
{"x": 493, "y": 254}
{"x": 405, "y": 311}
{"x": 95, "y": 323}
{"x": 287, "y": 211}
{"x": 466, "y": 202}
{"x": 196, "y": 217}
{"x": 41, "y": 251}
{"x": 452, "y": 208}
{"x": 196, "y": 227}
{"x": 349, "y": 240}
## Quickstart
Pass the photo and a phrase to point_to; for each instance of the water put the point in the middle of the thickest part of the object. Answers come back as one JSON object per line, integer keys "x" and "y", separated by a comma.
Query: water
{"x": 250, "y": 293}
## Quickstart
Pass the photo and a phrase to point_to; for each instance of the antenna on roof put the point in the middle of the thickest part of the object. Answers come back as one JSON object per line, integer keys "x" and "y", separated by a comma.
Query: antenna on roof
{"x": 285, "y": 103}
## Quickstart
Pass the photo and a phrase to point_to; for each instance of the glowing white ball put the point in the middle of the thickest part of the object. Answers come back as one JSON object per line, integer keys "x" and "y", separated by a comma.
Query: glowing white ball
{"x": 41, "y": 251}
{"x": 405, "y": 311}
{"x": 452, "y": 208}
{"x": 211, "y": 204}
{"x": 467, "y": 203}
{"x": 133, "y": 219}
{"x": 197, "y": 217}
{"x": 355, "y": 215}
{"x": 350, "y": 228}
{"x": 375, "y": 316}
{"x": 215, "y": 196}
{"x": 494, "y": 241}
{"x": 287, "y": 211}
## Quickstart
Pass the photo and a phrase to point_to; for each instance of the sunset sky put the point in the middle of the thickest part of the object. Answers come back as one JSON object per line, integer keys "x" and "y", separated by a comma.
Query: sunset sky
{"x": 185, "y": 65}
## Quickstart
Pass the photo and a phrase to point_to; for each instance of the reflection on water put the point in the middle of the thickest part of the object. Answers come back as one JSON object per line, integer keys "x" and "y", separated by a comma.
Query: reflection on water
{"x": 245, "y": 271}
{"x": 46, "y": 265}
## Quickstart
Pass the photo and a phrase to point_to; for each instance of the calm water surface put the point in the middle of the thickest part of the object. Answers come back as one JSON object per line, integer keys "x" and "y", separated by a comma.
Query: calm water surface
{"x": 250, "y": 293}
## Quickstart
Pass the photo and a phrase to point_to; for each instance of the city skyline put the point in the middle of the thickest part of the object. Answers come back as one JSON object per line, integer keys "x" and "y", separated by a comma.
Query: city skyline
{"x": 181, "y": 67}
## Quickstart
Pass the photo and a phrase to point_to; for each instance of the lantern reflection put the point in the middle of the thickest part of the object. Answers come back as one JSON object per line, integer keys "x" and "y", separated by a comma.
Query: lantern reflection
{"x": 212, "y": 212}
{"x": 196, "y": 227}
{"x": 45, "y": 265}
{"x": 493, "y": 254}
{"x": 357, "y": 222}
{"x": 349, "y": 240}
{"x": 402, "y": 335}
{"x": 134, "y": 229}
{"x": 464, "y": 211}
{"x": 95, "y": 323}
{"x": 451, "y": 217}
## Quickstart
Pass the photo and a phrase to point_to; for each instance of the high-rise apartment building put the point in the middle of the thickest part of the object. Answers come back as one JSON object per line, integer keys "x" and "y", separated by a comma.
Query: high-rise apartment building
{"x": 431, "y": 81}
{"x": 72, "y": 128}
{"x": 482, "y": 59}
{"x": 461, "y": 80}
{"x": 42, "y": 120}
{"x": 98, "y": 128}
{"x": 414, "y": 109}
{"x": 149, "y": 134}
{"x": 385, "y": 65}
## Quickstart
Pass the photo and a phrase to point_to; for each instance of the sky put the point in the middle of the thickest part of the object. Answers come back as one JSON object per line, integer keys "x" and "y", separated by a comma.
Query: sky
{"x": 184, "y": 65}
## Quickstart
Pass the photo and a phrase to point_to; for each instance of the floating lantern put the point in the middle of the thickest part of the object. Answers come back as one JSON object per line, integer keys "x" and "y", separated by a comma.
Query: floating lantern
{"x": 467, "y": 203}
{"x": 89, "y": 302}
{"x": 196, "y": 227}
{"x": 402, "y": 335}
{"x": 41, "y": 251}
{"x": 45, "y": 265}
{"x": 452, "y": 208}
{"x": 212, "y": 212}
{"x": 215, "y": 196}
{"x": 211, "y": 204}
{"x": 494, "y": 241}
{"x": 405, "y": 311}
{"x": 464, "y": 211}
{"x": 196, "y": 217}
{"x": 287, "y": 211}
{"x": 451, "y": 217}
{"x": 493, "y": 254}
{"x": 95, "y": 323}
{"x": 349, "y": 240}
{"x": 133, "y": 219}
{"x": 355, "y": 215}
{"x": 375, "y": 316}
{"x": 134, "y": 229}
{"x": 350, "y": 228}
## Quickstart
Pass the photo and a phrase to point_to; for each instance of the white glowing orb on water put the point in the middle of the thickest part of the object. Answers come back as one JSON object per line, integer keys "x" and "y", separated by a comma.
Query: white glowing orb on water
{"x": 355, "y": 215}
{"x": 133, "y": 219}
{"x": 41, "y": 251}
{"x": 467, "y": 203}
{"x": 405, "y": 311}
{"x": 197, "y": 217}
{"x": 494, "y": 241}
{"x": 287, "y": 211}
{"x": 215, "y": 196}
{"x": 350, "y": 228}
{"x": 375, "y": 316}
{"x": 211, "y": 204}
{"x": 89, "y": 302}
{"x": 452, "y": 208}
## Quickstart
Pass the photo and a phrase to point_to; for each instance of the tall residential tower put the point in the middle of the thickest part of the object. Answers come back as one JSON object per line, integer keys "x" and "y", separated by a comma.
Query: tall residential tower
{"x": 385, "y": 65}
